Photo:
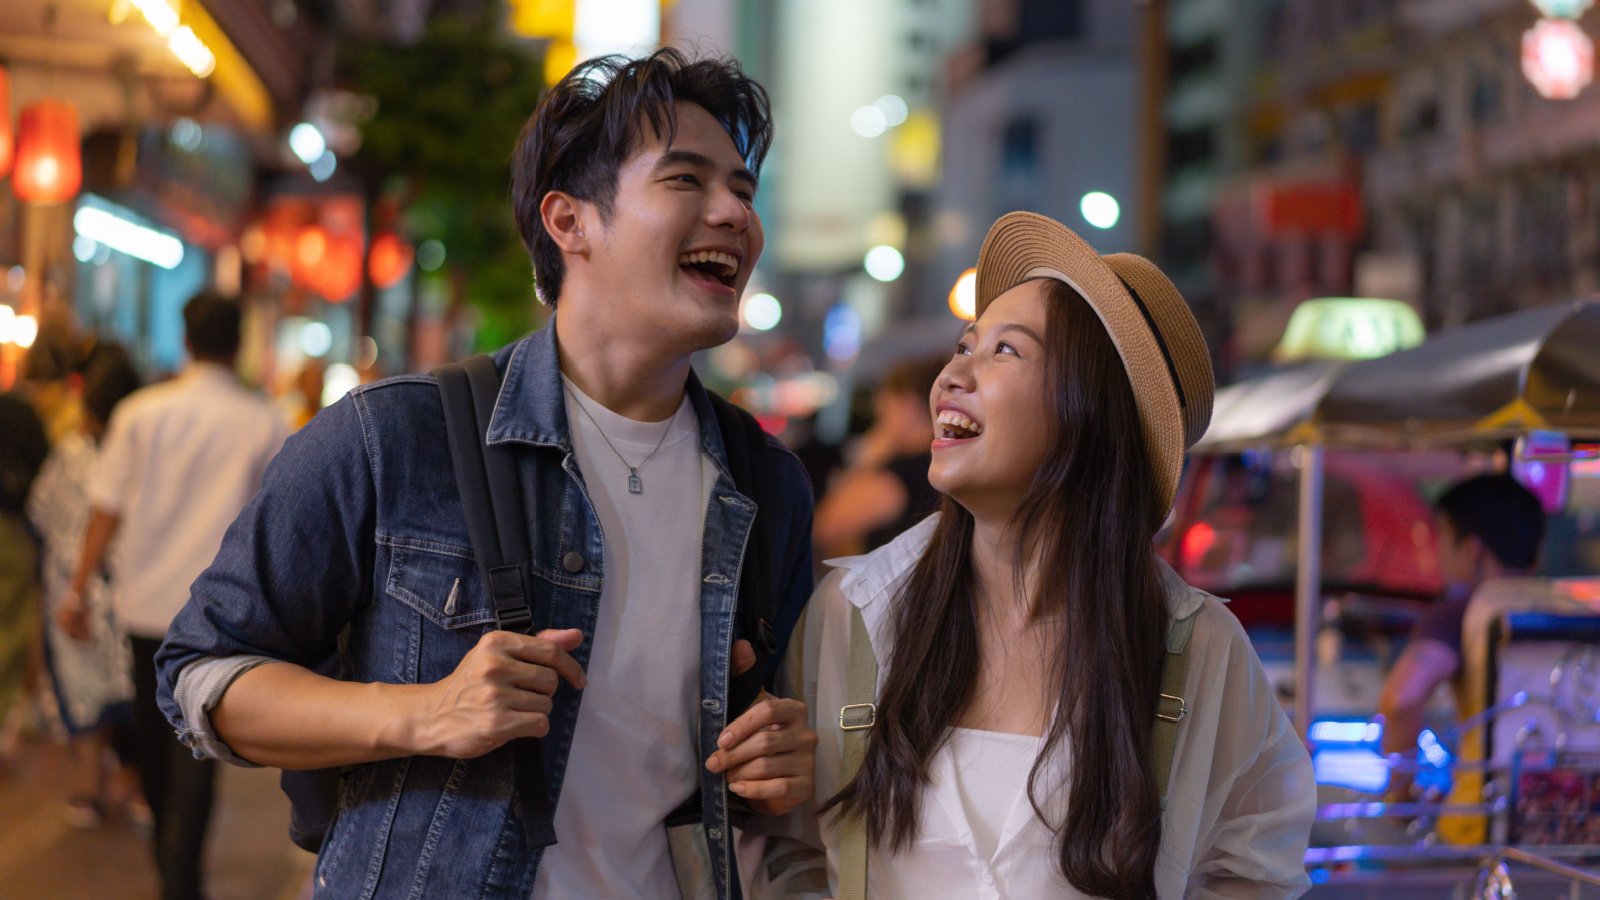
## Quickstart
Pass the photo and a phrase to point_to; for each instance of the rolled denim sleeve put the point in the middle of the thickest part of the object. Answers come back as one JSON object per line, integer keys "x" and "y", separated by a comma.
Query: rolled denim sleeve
{"x": 200, "y": 685}
{"x": 292, "y": 571}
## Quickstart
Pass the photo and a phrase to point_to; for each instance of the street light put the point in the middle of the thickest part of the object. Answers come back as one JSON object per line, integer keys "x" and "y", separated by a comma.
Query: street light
{"x": 762, "y": 312}
{"x": 884, "y": 263}
{"x": 964, "y": 295}
{"x": 1557, "y": 58}
{"x": 1100, "y": 209}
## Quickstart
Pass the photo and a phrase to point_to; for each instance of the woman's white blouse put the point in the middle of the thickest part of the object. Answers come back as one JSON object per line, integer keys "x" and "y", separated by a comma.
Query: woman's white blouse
{"x": 1239, "y": 808}
{"x": 977, "y": 828}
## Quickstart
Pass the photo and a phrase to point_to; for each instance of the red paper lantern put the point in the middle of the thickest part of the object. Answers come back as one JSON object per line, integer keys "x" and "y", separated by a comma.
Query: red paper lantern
{"x": 5, "y": 123}
{"x": 49, "y": 163}
{"x": 310, "y": 246}
{"x": 389, "y": 260}
{"x": 339, "y": 274}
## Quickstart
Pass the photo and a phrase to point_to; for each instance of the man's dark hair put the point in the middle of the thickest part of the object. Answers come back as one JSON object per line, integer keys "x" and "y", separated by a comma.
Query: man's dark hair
{"x": 914, "y": 376}
{"x": 594, "y": 118}
{"x": 211, "y": 327}
{"x": 54, "y": 356}
{"x": 1499, "y": 512}
{"x": 109, "y": 375}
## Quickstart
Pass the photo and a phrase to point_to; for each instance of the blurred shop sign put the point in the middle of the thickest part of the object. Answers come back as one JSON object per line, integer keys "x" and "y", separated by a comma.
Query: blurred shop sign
{"x": 582, "y": 29}
{"x": 1308, "y": 207}
{"x": 1349, "y": 328}
{"x": 1396, "y": 275}
{"x": 549, "y": 19}
{"x": 196, "y": 178}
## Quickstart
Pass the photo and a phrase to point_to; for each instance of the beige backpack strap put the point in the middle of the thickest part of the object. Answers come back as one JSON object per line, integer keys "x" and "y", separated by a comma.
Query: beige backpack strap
{"x": 1170, "y": 707}
{"x": 856, "y": 719}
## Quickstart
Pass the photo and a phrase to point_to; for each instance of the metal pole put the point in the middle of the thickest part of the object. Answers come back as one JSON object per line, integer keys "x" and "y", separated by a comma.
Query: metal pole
{"x": 1308, "y": 586}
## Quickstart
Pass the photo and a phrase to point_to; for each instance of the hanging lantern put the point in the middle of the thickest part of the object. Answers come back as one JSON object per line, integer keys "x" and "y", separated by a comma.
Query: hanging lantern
{"x": 1557, "y": 58}
{"x": 309, "y": 247}
{"x": 49, "y": 162}
{"x": 339, "y": 274}
{"x": 5, "y": 123}
{"x": 389, "y": 259}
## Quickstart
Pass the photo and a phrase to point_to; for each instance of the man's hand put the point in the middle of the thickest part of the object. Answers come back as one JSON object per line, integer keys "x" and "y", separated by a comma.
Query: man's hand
{"x": 769, "y": 752}
{"x": 501, "y": 690}
{"x": 73, "y": 616}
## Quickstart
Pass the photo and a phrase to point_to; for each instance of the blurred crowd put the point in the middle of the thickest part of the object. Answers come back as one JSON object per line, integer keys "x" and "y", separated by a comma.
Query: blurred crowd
{"x": 108, "y": 474}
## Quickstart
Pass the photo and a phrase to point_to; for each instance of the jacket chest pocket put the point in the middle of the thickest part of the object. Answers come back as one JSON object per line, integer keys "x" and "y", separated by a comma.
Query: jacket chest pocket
{"x": 453, "y": 608}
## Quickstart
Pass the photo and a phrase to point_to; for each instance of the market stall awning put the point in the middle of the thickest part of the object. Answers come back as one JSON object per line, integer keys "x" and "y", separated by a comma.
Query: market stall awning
{"x": 1491, "y": 380}
{"x": 1271, "y": 410}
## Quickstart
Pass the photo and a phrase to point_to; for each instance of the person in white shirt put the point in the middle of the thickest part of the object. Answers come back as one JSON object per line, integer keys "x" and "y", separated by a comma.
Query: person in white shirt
{"x": 180, "y": 460}
{"x": 1021, "y": 633}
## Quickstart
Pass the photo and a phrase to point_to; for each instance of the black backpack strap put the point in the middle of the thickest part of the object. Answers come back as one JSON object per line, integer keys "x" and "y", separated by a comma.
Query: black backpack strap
{"x": 497, "y": 522}
{"x": 751, "y": 467}
{"x": 491, "y": 493}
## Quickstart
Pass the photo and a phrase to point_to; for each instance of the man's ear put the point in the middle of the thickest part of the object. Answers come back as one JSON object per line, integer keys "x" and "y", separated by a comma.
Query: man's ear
{"x": 563, "y": 216}
{"x": 1484, "y": 563}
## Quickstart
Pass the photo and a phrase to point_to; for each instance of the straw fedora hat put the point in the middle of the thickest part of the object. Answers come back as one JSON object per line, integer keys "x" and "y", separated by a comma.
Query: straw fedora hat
{"x": 1155, "y": 333}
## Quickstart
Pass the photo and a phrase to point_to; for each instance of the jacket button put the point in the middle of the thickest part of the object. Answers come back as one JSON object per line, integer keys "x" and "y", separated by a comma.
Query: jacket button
{"x": 573, "y": 561}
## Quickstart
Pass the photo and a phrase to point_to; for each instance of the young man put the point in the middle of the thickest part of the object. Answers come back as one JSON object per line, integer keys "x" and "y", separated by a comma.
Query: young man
{"x": 633, "y": 185}
{"x": 1489, "y": 526}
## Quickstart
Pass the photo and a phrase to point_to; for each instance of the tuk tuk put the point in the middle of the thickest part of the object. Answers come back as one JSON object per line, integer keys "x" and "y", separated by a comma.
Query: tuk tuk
{"x": 1518, "y": 778}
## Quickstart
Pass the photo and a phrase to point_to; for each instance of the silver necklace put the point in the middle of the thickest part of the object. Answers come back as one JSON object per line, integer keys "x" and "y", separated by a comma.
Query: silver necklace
{"x": 635, "y": 484}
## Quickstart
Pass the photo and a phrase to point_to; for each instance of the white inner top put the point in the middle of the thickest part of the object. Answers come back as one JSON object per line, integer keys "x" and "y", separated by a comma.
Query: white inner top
{"x": 633, "y": 756}
{"x": 991, "y": 777}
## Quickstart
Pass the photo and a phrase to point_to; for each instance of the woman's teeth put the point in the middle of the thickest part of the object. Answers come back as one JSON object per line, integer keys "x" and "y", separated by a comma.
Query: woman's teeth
{"x": 955, "y": 425}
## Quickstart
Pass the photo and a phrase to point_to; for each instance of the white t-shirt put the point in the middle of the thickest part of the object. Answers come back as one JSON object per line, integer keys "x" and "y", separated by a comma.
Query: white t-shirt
{"x": 633, "y": 758}
{"x": 180, "y": 460}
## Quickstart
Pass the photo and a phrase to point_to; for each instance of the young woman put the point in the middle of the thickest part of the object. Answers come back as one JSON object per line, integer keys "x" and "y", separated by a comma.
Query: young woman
{"x": 88, "y": 666}
{"x": 1022, "y": 634}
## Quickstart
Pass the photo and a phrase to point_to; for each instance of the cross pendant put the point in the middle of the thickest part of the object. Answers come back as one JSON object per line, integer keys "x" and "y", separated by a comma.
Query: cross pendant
{"x": 635, "y": 486}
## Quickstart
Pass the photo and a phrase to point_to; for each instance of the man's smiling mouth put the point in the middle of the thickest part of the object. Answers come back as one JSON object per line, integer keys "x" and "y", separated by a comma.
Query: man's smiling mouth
{"x": 713, "y": 264}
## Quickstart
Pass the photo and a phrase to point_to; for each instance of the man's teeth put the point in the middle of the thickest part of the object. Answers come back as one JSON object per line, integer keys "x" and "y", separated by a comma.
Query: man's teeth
{"x": 726, "y": 261}
{"x": 960, "y": 424}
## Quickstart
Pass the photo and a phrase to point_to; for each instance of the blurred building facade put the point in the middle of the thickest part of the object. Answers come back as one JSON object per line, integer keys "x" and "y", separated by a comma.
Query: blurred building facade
{"x": 1368, "y": 148}
{"x": 173, "y": 113}
{"x": 1042, "y": 111}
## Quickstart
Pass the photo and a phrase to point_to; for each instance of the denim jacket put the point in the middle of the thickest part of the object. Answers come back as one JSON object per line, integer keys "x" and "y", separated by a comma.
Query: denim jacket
{"x": 358, "y": 525}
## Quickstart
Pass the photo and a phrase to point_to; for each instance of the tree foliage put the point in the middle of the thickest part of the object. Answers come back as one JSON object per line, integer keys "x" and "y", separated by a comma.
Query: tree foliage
{"x": 449, "y": 109}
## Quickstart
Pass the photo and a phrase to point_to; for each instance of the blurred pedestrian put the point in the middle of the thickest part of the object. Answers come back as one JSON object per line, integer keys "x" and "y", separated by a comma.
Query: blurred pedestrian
{"x": 886, "y": 489}
{"x": 179, "y": 460}
{"x": 23, "y": 448}
{"x": 634, "y": 186}
{"x": 1487, "y": 526}
{"x": 820, "y": 457}
{"x": 51, "y": 377}
{"x": 91, "y": 677}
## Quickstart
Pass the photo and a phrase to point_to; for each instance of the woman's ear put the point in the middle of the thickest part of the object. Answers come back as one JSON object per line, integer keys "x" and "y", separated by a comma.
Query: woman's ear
{"x": 562, "y": 215}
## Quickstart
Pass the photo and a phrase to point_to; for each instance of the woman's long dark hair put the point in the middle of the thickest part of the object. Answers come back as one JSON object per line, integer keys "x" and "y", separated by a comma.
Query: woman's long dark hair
{"x": 1088, "y": 522}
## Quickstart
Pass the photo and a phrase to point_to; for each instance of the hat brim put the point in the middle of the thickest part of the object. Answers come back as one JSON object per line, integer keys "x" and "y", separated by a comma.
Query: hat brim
{"x": 1022, "y": 246}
